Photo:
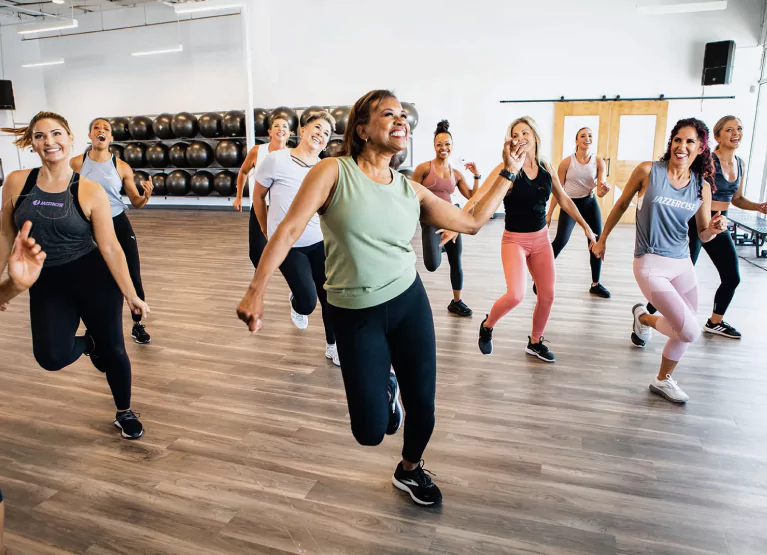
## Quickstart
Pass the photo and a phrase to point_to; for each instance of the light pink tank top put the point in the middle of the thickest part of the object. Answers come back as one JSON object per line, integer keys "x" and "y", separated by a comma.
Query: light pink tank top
{"x": 443, "y": 187}
{"x": 581, "y": 179}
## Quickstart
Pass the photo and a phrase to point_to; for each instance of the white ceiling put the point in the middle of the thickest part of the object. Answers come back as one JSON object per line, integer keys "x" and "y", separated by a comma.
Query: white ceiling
{"x": 17, "y": 11}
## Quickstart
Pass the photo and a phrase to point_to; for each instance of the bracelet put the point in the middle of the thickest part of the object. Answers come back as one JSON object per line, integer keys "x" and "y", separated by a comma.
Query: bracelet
{"x": 477, "y": 177}
{"x": 506, "y": 174}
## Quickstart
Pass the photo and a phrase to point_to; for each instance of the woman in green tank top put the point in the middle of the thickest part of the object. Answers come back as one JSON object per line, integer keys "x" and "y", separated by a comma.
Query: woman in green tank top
{"x": 382, "y": 316}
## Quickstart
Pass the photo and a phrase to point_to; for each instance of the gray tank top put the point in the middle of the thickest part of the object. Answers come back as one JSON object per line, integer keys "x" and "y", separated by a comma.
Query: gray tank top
{"x": 662, "y": 215}
{"x": 105, "y": 174}
{"x": 58, "y": 223}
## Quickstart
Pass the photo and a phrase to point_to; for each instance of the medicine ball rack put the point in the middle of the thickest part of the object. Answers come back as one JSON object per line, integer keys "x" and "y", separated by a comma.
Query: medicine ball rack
{"x": 213, "y": 200}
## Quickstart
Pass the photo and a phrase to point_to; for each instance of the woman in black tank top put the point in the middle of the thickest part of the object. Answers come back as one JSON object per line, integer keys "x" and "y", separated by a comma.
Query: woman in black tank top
{"x": 85, "y": 275}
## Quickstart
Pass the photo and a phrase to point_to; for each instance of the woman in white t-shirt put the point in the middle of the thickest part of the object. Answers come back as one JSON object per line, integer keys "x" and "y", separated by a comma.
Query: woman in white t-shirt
{"x": 280, "y": 175}
{"x": 279, "y": 133}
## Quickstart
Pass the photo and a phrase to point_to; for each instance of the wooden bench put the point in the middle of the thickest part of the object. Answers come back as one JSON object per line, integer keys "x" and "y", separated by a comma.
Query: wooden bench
{"x": 755, "y": 226}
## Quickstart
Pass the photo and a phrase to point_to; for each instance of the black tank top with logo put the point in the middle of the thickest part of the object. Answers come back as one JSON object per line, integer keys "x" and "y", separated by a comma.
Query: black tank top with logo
{"x": 58, "y": 223}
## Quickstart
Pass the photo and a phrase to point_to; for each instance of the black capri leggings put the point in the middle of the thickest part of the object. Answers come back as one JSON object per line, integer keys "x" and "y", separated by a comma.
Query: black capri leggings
{"x": 127, "y": 239}
{"x": 398, "y": 333}
{"x": 432, "y": 255}
{"x": 721, "y": 251}
{"x": 304, "y": 270}
{"x": 589, "y": 209}
{"x": 61, "y": 297}
{"x": 256, "y": 239}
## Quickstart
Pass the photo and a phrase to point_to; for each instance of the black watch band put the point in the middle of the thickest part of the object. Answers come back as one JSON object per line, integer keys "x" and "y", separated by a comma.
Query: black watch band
{"x": 506, "y": 174}
{"x": 477, "y": 177}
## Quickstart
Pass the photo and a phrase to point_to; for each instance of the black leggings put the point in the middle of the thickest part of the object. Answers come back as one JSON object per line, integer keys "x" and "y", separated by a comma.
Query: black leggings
{"x": 721, "y": 251}
{"x": 256, "y": 239}
{"x": 432, "y": 255}
{"x": 304, "y": 270}
{"x": 589, "y": 209}
{"x": 127, "y": 240}
{"x": 398, "y": 333}
{"x": 61, "y": 297}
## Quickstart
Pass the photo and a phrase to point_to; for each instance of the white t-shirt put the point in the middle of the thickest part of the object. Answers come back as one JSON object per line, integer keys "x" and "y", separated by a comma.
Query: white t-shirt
{"x": 283, "y": 176}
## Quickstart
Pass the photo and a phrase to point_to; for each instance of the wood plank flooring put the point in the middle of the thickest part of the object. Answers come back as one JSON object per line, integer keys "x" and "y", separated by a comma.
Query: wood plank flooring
{"x": 248, "y": 448}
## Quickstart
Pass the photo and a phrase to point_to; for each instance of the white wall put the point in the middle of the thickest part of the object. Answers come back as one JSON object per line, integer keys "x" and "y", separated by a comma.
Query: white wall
{"x": 453, "y": 61}
{"x": 101, "y": 78}
{"x": 458, "y": 63}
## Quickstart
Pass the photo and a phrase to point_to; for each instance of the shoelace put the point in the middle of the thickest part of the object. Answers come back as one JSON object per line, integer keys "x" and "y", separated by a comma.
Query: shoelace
{"x": 541, "y": 344}
{"x": 672, "y": 383}
{"x": 128, "y": 415}
{"x": 422, "y": 475}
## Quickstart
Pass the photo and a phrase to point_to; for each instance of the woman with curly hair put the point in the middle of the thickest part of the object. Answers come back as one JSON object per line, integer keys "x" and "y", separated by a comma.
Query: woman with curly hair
{"x": 670, "y": 191}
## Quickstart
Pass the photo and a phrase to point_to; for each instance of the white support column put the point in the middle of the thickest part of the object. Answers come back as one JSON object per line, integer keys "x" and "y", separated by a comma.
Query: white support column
{"x": 247, "y": 56}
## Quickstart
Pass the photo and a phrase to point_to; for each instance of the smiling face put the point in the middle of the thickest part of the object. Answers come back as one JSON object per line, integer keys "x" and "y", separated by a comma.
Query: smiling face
{"x": 279, "y": 132}
{"x": 443, "y": 145}
{"x": 685, "y": 147}
{"x": 731, "y": 134}
{"x": 316, "y": 134}
{"x": 100, "y": 134}
{"x": 51, "y": 140}
{"x": 522, "y": 135}
{"x": 388, "y": 127}
{"x": 584, "y": 139}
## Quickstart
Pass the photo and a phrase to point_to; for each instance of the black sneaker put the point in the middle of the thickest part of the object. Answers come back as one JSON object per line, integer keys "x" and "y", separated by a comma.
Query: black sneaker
{"x": 722, "y": 328}
{"x": 139, "y": 334}
{"x": 485, "y": 338}
{"x": 599, "y": 291}
{"x": 651, "y": 309}
{"x": 418, "y": 484}
{"x": 539, "y": 350}
{"x": 129, "y": 423}
{"x": 395, "y": 406}
{"x": 459, "y": 308}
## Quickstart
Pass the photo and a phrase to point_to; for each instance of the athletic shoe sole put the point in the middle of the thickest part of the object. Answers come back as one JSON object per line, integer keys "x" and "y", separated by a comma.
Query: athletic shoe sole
{"x": 659, "y": 391}
{"x": 126, "y": 436}
{"x": 637, "y": 342}
{"x": 458, "y": 312}
{"x": 637, "y": 323}
{"x": 536, "y": 355}
{"x": 401, "y": 412}
{"x": 717, "y": 332}
{"x": 399, "y": 485}
{"x": 147, "y": 342}
{"x": 290, "y": 303}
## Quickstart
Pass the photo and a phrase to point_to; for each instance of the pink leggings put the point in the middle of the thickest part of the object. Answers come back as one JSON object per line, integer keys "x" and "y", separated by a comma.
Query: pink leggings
{"x": 533, "y": 249}
{"x": 671, "y": 285}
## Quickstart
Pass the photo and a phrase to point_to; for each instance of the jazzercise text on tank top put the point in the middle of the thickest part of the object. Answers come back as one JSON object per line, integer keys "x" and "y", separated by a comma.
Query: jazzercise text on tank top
{"x": 659, "y": 199}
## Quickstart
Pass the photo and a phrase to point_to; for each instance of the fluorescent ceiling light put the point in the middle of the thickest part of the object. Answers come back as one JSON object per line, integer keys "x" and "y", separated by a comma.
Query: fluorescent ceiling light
{"x": 48, "y": 63}
{"x": 43, "y": 27}
{"x": 682, "y": 7}
{"x": 59, "y": 1}
{"x": 192, "y": 7}
{"x": 179, "y": 48}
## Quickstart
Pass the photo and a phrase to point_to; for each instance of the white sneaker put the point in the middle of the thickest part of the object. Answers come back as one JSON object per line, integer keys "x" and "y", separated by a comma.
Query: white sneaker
{"x": 299, "y": 320}
{"x": 668, "y": 389}
{"x": 331, "y": 352}
{"x": 643, "y": 333}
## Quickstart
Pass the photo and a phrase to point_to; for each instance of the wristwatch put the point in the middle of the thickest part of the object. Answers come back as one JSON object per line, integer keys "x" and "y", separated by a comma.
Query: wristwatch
{"x": 506, "y": 174}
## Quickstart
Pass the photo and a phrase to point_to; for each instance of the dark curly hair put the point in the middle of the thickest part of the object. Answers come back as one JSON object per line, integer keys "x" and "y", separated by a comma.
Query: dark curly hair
{"x": 703, "y": 165}
{"x": 443, "y": 127}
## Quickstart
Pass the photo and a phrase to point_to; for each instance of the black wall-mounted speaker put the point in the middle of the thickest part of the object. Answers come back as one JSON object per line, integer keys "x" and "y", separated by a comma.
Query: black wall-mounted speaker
{"x": 6, "y": 95}
{"x": 718, "y": 62}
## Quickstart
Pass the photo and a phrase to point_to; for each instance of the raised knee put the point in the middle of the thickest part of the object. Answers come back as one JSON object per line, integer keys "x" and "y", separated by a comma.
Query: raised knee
{"x": 690, "y": 333}
{"x": 368, "y": 437}
{"x": 49, "y": 361}
{"x": 432, "y": 265}
{"x": 305, "y": 306}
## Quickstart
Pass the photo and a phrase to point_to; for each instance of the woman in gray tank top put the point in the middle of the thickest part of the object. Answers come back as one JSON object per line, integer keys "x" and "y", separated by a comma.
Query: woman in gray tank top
{"x": 100, "y": 165}
{"x": 671, "y": 191}
{"x": 84, "y": 275}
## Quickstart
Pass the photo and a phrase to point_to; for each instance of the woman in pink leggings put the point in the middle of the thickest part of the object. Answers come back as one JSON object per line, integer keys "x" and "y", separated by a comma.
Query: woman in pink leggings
{"x": 526, "y": 239}
{"x": 670, "y": 192}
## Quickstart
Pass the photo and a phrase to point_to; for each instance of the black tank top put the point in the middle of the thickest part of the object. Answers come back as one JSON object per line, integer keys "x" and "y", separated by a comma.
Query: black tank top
{"x": 58, "y": 222}
{"x": 725, "y": 190}
{"x": 525, "y": 203}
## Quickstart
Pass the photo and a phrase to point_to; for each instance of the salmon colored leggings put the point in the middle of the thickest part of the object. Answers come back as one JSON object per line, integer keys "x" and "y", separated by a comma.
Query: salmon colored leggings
{"x": 534, "y": 251}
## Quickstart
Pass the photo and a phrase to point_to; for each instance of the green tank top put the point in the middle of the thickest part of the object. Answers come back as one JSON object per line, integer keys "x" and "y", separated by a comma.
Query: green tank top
{"x": 367, "y": 229}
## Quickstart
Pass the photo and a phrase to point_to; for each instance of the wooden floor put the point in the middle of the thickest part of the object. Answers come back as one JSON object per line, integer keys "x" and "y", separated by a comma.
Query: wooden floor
{"x": 248, "y": 448}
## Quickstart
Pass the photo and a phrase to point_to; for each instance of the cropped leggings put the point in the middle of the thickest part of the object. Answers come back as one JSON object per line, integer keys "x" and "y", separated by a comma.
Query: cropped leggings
{"x": 671, "y": 285}
{"x": 534, "y": 251}
{"x": 432, "y": 254}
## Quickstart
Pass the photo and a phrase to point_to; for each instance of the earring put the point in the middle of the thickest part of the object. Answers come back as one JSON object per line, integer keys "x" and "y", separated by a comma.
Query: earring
{"x": 366, "y": 140}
